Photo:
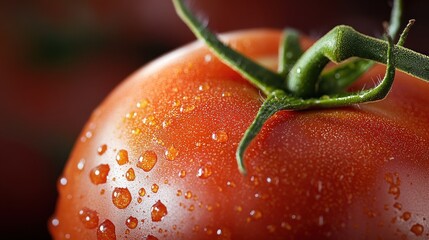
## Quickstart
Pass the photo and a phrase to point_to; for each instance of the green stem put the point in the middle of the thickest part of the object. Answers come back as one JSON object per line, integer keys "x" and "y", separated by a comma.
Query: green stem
{"x": 344, "y": 42}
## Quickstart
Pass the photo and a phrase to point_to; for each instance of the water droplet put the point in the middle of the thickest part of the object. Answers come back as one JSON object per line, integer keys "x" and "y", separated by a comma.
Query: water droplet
{"x": 154, "y": 188}
{"x": 139, "y": 200}
{"x": 166, "y": 123}
{"x": 63, "y": 181}
{"x": 122, "y": 157}
{"x": 298, "y": 70}
{"x": 130, "y": 115}
{"x": 102, "y": 149}
{"x": 186, "y": 108}
{"x": 147, "y": 161}
{"x": 131, "y": 222}
{"x": 179, "y": 193}
{"x": 143, "y": 103}
{"x": 89, "y": 218}
{"x": 417, "y": 229}
{"x": 254, "y": 215}
{"x": 188, "y": 195}
{"x": 208, "y": 58}
{"x": 81, "y": 164}
{"x": 182, "y": 174}
{"x": 106, "y": 231}
{"x": 150, "y": 120}
{"x": 171, "y": 153}
{"x": 271, "y": 228}
{"x": 406, "y": 216}
{"x": 102, "y": 191}
{"x": 230, "y": 184}
{"x": 191, "y": 207}
{"x": 98, "y": 175}
{"x": 397, "y": 206}
{"x": 226, "y": 94}
{"x": 121, "y": 197}
{"x": 55, "y": 222}
{"x": 136, "y": 131}
{"x": 130, "y": 175}
{"x": 158, "y": 211}
{"x": 220, "y": 136}
{"x": 142, "y": 192}
{"x": 204, "y": 172}
{"x": 204, "y": 87}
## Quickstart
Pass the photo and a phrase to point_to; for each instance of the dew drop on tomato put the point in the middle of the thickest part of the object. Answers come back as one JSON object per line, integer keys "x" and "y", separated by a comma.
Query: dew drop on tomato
{"x": 102, "y": 149}
{"x": 63, "y": 181}
{"x": 182, "y": 173}
{"x": 220, "y": 136}
{"x": 98, "y": 174}
{"x": 121, "y": 197}
{"x": 158, "y": 211}
{"x": 81, "y": 164}
{"x": 131, "y": 222}
{"x": 147, "y": 161}
{"x": 171, "y": 153}
{"x": 188, "y": 195}
{"x": 89, "y": 218}
{"x": 143, "y": 103}
{"x": 130, "y": 174}
{"x": 106, "y": 231}
{"x": 122, "y": 157}
{"x": 406, "y": 216}
{"x": 142, "y": 192}
{"x": 417, "y": 229}
{"x": 154, "y": 188}
{"x": 204, "y": 172}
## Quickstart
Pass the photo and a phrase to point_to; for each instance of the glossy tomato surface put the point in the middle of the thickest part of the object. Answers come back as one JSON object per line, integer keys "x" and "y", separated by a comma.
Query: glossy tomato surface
{"x": 156, "y": 159}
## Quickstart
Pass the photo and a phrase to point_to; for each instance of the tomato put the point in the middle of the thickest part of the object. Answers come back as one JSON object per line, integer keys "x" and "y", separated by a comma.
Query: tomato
{"x": 157, "y": 159}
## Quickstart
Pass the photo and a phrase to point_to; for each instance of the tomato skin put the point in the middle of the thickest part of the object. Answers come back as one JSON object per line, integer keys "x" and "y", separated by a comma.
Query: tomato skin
{"x": 347, "y": 173}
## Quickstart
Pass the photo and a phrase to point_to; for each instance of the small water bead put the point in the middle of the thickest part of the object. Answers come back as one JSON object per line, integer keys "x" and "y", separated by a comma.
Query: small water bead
{"x": 179, "y": 193}
{"x": 220, "y": 136}
{"x": 142, "y": 192}
{"x": 130, "y": 175}
{"x": 158, "y": 211}
{"x": 121, "y": 197}
{"x": 182, "y": 174}
{"x": 106, "y": 231}
{"x": 204, "y": 87}
{"x": 81, "y": 164}
{"x": 256, "y": 214}
{"x": 63, "y": 181}
{"x": 171, "y": 153}
{"x": 147, "y": 161}
{"x": 187, "y": 108}
{"x": 188, "y": 195}
{"x": 122, "y": 157}
{"x": 406, "y": 216}
{"x": 102, "y": 149}
{"x": 55, "y": 222}
{"x": 89, "y": 218}
{"x": 136, "y": 131}
{"x": 150, "y": 120}
{"x": 204, "y": 172}
{"x": 154, "y": 188}
{"x": 208, "y": 58}
{"x": 417, "y": 229}
{"x": 143, "y": 103}
{"x": 98, "y": 174}
{"x": 132, "y": 222}
{"x": 397, "y": 206}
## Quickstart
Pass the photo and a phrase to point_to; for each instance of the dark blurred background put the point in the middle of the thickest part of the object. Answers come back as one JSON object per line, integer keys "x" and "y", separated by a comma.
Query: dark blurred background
{"x": 59, "y": 59}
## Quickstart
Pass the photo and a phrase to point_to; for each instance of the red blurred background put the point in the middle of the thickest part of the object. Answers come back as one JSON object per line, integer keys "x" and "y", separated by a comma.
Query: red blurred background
{"x": 59, "y": 59}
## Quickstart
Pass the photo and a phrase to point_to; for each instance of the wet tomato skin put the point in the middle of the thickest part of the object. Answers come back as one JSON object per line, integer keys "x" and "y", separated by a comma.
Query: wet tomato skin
{"x": 346, "y": 173}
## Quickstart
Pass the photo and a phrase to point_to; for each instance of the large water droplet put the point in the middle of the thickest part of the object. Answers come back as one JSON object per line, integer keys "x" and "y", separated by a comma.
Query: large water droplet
{"x": 98, "y": 175}
{"x": 147, "y": 161}
{"x": 220, "y": 136}
{"x": 122, "y": 157}
{"x": 417, "y": 229}
{"x": 171, "y": 153}
{"x": 131, "y": 222}
{"x": 204, "y": 172}
{"x": 121, "y": 197}
{"x": 106, "y": 231}
{"x": 158, "y": 211}
{"x": 130, "y": 175}
{"x": 102, "y": 149}
{"x": 89, "y": 218}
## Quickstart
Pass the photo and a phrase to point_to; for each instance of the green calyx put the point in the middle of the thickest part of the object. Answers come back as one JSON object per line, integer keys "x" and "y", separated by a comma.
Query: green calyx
{"x": 301, "y": 83}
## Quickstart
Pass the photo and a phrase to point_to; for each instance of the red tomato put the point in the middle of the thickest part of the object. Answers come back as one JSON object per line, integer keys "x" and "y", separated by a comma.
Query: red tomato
{"x": 157, "y": 159}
